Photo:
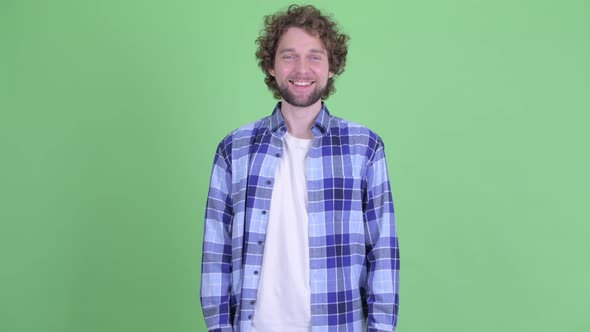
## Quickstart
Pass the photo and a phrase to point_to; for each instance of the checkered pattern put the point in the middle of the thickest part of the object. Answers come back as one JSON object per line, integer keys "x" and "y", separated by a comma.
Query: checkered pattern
{"x": 353, "y": 248}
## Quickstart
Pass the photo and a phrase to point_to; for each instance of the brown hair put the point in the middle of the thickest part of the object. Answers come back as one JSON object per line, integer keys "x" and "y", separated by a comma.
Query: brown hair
{"x": 312, "y": 20}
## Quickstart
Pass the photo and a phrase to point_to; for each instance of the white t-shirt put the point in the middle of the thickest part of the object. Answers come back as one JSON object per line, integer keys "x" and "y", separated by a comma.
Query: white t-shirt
{"x": 283, "y": 301}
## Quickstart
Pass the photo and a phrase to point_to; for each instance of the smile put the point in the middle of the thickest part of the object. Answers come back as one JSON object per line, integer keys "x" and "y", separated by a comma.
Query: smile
{"x": 301, "y": 83}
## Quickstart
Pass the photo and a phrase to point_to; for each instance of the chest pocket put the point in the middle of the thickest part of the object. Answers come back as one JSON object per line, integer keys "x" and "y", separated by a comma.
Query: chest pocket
{"x": 336, "y": 179}
{"x": 335, "y": 196}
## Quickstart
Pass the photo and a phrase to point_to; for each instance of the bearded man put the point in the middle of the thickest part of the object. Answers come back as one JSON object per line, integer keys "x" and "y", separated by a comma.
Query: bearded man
{"x": 299, "y": 228}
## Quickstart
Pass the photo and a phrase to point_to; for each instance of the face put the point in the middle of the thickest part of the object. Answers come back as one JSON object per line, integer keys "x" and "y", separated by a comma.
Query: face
{"x": 301, "y": 67}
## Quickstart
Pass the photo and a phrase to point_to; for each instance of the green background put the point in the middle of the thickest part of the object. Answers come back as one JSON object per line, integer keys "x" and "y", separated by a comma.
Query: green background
{"x": 111, "y": 112}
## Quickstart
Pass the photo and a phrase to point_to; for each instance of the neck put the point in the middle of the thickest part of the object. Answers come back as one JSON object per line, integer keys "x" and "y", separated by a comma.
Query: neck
{"x": 299, "y": 120}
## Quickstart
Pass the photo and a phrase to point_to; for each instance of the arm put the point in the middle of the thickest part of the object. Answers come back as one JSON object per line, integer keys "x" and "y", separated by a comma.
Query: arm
{"x": 382, "y": 248}
{"x": 216, "y": 260}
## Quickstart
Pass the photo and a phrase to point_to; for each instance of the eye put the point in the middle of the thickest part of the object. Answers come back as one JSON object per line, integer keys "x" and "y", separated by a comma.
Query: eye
{"x": 316, "y": 58}
{"x": 289, "y": 57}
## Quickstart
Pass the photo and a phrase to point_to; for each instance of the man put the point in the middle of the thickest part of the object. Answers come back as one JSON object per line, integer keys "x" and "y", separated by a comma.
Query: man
{"x": 299, "y": 227}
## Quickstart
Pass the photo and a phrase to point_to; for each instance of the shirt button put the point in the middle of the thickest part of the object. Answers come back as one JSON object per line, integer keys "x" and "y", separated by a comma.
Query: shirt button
{"x": 268, "y": 182}
{"x": 263, "y": 212}
{"x": 256, "y": 272}
{"x": 249, "y": 316}
{"x": 260, "y": 242}
{"x": 252, "y": 302}
{"x": 277, "y": 155}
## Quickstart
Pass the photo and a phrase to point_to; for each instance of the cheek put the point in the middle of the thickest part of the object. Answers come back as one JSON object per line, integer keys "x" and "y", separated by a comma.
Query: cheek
{"x": 324, "y": 69}
{"x": 282, "y": 70}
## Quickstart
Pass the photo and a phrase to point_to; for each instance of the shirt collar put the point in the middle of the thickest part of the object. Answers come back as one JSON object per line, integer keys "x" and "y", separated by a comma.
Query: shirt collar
{"x": 320, "y": 127}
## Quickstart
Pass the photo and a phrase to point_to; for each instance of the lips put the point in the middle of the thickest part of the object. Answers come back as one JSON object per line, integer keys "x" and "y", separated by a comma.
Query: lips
{"x": 301, "y": 83}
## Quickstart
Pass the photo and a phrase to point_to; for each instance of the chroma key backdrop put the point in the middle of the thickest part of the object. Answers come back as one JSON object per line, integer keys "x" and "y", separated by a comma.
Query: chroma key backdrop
{"x": 110, "y": 113}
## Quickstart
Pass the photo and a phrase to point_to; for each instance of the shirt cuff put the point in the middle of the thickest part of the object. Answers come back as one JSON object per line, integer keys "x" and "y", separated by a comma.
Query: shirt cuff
{"x": 374, "y": 329}
{"x": 222, "y": 329}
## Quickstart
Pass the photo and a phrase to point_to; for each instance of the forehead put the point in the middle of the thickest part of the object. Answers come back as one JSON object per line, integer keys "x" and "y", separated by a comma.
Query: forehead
{"x": 299, "y": 39}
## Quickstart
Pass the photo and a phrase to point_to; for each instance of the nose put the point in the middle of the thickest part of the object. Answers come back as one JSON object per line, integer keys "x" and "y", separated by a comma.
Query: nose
{"x": 301, "y": 66}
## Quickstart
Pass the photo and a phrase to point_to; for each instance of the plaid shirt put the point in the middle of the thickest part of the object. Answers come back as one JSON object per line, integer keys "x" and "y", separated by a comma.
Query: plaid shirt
{"x": 353, "y": 248}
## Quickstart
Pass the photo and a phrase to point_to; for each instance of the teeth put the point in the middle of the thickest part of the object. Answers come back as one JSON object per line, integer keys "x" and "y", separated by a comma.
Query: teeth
{"x": 300, "y": 83}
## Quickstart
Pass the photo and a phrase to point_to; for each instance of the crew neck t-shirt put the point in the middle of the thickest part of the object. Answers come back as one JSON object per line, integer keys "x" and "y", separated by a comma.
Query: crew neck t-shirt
{"x": 283, "y": 301}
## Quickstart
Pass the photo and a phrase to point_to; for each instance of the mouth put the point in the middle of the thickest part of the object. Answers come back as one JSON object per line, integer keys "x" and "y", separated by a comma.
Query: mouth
{"x": 301, "y": 84}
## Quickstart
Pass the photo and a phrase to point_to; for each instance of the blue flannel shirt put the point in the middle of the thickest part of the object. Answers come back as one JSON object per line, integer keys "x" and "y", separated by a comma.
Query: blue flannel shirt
{"x": 353, "y": 247}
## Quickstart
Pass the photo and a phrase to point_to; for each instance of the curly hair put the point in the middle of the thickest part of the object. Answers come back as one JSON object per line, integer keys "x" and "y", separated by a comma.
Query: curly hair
{"x": 312, "y": 20}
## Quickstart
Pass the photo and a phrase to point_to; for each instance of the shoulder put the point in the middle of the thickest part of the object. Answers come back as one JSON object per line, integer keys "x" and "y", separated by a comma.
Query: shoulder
{"x": 356, "y": 135}
{"x": 241, "y": 138}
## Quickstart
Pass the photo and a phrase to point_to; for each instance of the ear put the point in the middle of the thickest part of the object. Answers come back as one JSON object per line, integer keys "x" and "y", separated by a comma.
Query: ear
{"x": 271, "y": 71}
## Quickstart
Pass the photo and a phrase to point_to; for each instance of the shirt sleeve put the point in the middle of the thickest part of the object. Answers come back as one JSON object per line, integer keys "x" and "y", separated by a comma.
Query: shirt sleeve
{"x": 216, "y": 260}
{"x": 382, "y": 299}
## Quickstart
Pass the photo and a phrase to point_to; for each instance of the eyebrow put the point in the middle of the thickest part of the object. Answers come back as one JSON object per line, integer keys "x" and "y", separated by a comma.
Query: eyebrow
{"x": 313, "y": 50}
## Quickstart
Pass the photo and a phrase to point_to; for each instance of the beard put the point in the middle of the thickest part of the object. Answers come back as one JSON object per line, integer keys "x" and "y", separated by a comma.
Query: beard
{"x": 302, "y": 101}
